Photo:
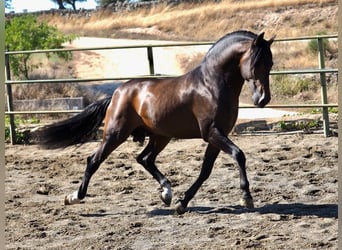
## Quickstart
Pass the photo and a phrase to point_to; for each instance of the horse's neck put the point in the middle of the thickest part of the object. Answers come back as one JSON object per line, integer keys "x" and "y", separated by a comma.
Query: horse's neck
{"x": 225, "y": 78}
{"x": 220, "y": 57}
{"x": 224, "y": 61}
{"x": 220, "y": 70}
{"x": 225, "y": 72}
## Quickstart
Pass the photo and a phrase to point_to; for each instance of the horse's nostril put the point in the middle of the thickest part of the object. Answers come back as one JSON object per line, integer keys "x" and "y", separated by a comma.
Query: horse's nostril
{"x": 256, "y": 98}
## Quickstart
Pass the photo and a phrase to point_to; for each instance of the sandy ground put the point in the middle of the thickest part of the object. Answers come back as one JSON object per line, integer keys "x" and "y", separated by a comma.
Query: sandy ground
{"x": 293, "y": 180}
{"x": 128, "y": 62}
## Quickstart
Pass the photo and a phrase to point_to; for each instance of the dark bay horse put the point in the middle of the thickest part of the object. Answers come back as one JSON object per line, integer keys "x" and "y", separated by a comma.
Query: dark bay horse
{"x": 202, "y": 103}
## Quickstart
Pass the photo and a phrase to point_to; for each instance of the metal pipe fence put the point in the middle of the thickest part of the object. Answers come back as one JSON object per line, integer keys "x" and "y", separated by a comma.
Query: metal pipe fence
{"x": 321, "y": 70}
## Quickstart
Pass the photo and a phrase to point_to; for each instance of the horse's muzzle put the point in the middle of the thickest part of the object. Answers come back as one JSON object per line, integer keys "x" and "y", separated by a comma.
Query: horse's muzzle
{"x": 261, "y": 93}
{"x": 261, "y": 100}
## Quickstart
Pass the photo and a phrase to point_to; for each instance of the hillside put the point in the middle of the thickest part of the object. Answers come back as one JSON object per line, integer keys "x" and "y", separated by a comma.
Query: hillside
{"x": 201, "y": 22}
{"x": 210, "y": 20}
{"x": 205, "y": 21}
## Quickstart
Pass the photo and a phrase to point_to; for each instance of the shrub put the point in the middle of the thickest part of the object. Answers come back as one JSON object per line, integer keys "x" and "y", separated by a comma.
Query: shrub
{"x": 313, "y": 44}
{"x": 21, "y": 135}
{"x": 26, "y": 33}
{"x": 284, "y": 85}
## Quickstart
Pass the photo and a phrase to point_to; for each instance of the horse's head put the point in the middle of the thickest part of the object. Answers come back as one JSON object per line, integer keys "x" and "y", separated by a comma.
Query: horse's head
{"x": 255, "y": 66}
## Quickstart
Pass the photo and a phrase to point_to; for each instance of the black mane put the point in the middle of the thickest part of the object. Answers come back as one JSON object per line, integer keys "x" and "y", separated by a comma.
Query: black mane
{"x": 234, "y": 37}
{"x": 229, "y": 39}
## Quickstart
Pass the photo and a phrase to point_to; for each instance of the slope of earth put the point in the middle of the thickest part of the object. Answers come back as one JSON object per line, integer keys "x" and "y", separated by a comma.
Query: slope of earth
{"x": 204, "y": 21}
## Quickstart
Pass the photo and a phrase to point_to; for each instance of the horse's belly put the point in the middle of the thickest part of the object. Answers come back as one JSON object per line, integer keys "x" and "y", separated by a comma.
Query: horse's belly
{"x": 178, "y": 127}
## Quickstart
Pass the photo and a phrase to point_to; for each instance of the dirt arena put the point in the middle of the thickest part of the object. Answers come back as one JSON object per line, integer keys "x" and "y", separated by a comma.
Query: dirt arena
{"x": 293, "y": 181}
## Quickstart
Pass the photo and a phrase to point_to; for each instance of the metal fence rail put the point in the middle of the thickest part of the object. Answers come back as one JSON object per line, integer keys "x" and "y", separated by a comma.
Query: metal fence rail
{"x": 321, "y": 70}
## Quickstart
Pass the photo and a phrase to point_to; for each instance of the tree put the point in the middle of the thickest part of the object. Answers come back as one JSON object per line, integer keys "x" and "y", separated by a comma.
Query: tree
{"x": 105, "y": 3}
{"x": 8, "y": 4}
{"x": 61, "y": 3}
{"x": 73, "y": 3}
{"x": 26, "y": 33}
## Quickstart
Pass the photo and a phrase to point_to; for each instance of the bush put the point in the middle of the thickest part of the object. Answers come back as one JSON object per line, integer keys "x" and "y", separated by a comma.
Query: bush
{"x": 313, "y": 44}
{"x": 21, "y": 135}
{"x": 284, "y": 85}
{"x": 26, "y": 33}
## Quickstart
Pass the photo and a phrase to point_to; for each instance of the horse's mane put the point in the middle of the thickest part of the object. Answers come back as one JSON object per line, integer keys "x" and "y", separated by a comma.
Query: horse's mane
{"x": 235, "y": 36}
{"x": 231, "y": 38}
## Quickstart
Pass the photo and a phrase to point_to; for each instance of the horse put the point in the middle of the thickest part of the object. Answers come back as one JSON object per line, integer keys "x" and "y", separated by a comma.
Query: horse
{"x": 202, "y": 103}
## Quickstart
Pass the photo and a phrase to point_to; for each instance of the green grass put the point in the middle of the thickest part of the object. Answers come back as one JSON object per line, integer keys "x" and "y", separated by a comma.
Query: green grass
{"x": 21, "y": 136}
{"x": 305, "y": 125}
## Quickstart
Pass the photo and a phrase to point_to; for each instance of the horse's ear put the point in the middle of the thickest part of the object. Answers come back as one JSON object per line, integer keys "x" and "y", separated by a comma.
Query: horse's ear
{"x": 271, "y": 40}
{"x": 259, "y": 39}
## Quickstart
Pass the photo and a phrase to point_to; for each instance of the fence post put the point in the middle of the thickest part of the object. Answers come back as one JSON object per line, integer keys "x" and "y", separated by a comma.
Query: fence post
{"x": 150, "y": 59}
{"x": 10, "y": 100}
{"x": 321, "y": 64}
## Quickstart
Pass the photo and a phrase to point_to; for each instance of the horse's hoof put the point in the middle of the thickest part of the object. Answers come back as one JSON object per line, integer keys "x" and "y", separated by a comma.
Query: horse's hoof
{"x": 166, "y": 199}
{"x": 247, "y": 203}
{"x": 166, "y": 195}
{"x": 67, "y": 200}
{"x": 71, "y": 199}
{"x": 179, "y": 208}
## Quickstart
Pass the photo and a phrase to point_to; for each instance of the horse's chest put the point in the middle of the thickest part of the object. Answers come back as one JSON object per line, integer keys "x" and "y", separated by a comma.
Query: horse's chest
{"x": 226, "y": 115}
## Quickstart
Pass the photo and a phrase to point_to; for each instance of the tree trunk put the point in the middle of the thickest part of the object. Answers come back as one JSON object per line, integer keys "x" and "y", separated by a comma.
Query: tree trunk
{"x": 60, "y": 4}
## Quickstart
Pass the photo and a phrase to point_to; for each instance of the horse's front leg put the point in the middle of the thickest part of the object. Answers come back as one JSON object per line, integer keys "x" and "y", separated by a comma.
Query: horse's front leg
{"x": 221, "y": 141}
{"x": 210, "y": 156}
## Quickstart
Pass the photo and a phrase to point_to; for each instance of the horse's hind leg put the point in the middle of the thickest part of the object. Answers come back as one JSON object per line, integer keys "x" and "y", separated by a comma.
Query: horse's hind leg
{"x": 210, "y": 156}
{"x": 147, "y": 159}
{"x": 109, "y": 143}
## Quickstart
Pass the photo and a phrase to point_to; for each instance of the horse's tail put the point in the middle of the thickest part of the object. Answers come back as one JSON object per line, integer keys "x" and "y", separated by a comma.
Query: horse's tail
{"x": 75, "y": 130}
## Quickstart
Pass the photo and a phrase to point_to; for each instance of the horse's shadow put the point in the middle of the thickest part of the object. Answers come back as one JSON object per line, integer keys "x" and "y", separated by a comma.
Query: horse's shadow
{"x": 295, "y": 209}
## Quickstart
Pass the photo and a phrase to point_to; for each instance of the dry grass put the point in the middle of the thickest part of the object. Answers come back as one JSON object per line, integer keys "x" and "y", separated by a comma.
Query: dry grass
{"x": 51, "y": 68}
{"x": 209, "y": 21}
{"x": 206, "y": 21}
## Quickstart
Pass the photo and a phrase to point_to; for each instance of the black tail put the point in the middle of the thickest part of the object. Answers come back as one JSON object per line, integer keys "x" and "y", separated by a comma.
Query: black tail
{"x": 75, "y": 130}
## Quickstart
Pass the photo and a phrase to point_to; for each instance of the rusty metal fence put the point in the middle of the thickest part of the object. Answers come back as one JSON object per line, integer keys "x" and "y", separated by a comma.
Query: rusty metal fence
{"x": 321, "y": 70}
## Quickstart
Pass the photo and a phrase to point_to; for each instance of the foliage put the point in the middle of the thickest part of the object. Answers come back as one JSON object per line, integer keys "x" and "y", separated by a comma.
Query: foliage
{"x": 305, "y": 125}
{"x": 333, "y": 110}
{"x": 61, "y": 3}
{"x": 8, "y": 3}
{"x": 313, "y": 44}
{"x": 284, "y": 85}
{"x": 26, "y": 33}
{"x": 107, "y": 2}
{"x": 21, "y": 136}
